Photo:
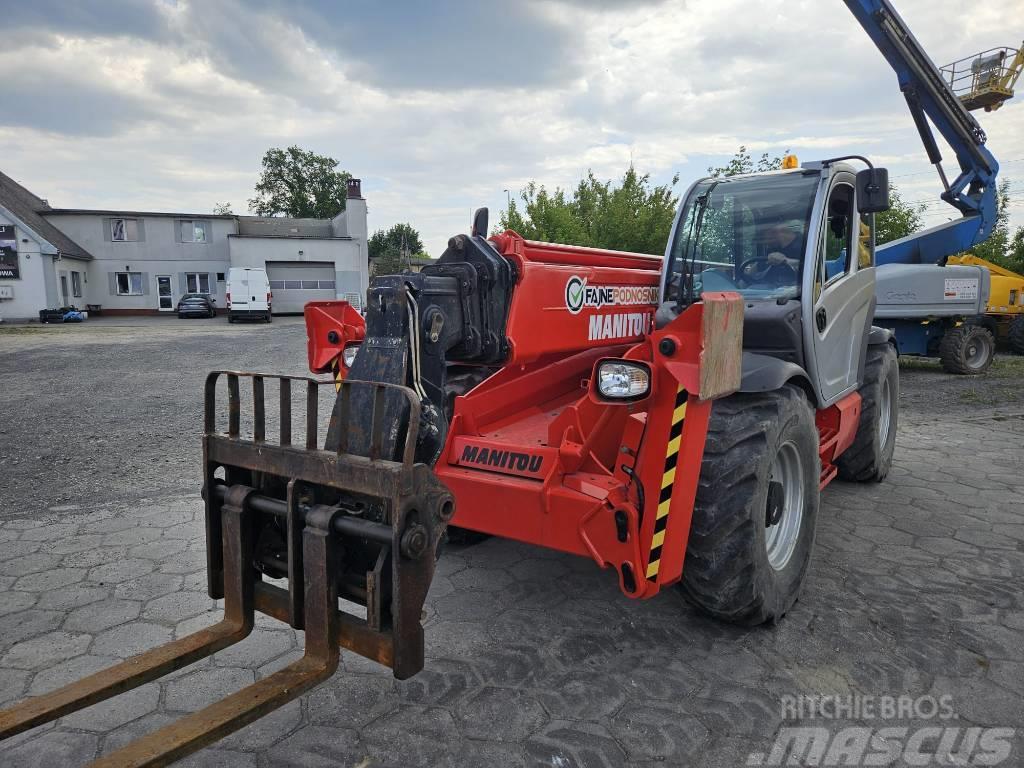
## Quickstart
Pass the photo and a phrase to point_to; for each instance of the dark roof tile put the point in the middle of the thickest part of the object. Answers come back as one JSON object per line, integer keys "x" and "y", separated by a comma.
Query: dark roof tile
{"x": 29, "y": 209}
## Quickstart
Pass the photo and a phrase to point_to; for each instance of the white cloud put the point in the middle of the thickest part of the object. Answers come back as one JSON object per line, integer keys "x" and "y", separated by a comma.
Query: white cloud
{"x": 174, "y": 107}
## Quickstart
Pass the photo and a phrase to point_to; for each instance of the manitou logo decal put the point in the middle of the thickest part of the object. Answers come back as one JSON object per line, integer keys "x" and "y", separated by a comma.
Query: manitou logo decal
{"x": 471, "y": 452}
{"x": 622, "y": 325}
{"x": 579, "y": 295}
{"x": 509, "y": 460}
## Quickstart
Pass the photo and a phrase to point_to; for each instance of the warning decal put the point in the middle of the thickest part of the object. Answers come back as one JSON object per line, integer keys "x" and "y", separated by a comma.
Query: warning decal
{"x": 961, "y": 288}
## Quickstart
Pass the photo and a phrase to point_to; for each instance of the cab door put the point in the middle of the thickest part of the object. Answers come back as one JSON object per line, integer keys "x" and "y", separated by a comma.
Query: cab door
{"x": 842, "y": 292}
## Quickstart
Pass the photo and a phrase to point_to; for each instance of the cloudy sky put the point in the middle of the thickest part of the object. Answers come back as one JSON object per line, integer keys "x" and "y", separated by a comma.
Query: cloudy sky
{"x": 441, "y": 106}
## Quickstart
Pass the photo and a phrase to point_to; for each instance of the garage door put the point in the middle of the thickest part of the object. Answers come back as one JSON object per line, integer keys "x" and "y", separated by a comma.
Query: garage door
{"x": 293, "y": 283}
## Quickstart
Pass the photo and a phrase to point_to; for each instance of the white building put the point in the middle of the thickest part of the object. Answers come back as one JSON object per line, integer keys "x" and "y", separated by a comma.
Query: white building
{"x": 141, "y": 262}
{"x": 38, "y": 262}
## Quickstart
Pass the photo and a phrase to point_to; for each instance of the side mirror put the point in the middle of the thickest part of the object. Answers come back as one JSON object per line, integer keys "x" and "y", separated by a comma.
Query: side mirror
{"x": 873, "y": 190}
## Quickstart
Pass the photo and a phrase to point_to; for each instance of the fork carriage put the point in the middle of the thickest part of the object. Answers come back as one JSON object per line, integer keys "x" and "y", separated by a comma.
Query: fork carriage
{"x": 363, "y": 527}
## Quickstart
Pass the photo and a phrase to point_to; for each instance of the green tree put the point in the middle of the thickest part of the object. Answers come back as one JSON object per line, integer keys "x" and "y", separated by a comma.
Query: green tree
{"x": 397, "y": 238}
{"x": 900, "y": 220}
{"x": 222, "y": 209}
{"x": 296, "y": 182}
{"x": 742, "y": 162}
{"x": 630, "y": 215}
{"x": 997, "y": 248}
{"x": 390, "y": 261}
{"x": 1015, "y": 257}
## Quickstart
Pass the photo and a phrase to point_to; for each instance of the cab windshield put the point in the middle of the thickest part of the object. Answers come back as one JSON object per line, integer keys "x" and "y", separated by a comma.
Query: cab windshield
{"x": 744, "y": 234}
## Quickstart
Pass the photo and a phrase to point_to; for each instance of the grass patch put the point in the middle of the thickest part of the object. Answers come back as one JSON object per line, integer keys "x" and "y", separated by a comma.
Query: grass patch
{"x": 1007, "y": 367}
{"x": 1003, "y": 367}
{"x": 920, "y": 364}
{"x": 18, "y": 330}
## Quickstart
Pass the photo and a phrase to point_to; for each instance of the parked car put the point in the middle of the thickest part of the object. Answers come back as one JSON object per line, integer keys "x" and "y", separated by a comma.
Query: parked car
{"x": 248, "y": 294}
{"x": 202, "y": 304}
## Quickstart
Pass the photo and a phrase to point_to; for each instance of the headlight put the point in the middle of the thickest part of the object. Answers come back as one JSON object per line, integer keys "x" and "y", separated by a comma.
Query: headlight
{"x": 622, "y": 380}
{"x": 348, "y": 355}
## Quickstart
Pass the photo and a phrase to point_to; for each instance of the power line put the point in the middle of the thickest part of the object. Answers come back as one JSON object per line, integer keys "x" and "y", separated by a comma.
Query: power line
{"x": 1011, "y": 193}
{"x": 932, "y": 170}
{"x": 942, "y": 205}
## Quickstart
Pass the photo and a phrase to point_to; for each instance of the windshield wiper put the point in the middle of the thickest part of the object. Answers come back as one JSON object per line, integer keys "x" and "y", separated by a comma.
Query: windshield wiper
{"x": 693, "y": 239}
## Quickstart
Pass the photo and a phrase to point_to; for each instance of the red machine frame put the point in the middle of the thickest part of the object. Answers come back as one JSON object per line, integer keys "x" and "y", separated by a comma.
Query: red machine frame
{"x": 574, "y": 472}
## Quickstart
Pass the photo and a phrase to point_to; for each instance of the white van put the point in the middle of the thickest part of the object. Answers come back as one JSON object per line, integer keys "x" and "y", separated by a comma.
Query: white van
{"x": 248, "y": 294}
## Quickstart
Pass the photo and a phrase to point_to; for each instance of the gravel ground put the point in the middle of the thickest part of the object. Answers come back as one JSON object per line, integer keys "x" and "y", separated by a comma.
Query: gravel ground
{"x": 928, "y": 392}
{"x": 112, "y": 408}
{"x": 533, "y": 657}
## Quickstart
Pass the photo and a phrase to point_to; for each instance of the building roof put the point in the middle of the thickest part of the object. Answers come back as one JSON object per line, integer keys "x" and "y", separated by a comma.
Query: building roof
{"x": 284, "y": 226}
{"x": 26, "y": 207}
{"x": 290, "y": 237}
{"x": 414, "y": 258}
{"x": 98, "y": 212}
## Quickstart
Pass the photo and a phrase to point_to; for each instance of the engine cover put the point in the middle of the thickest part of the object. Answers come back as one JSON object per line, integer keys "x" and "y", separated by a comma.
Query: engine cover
{"x": 930, "y": 290}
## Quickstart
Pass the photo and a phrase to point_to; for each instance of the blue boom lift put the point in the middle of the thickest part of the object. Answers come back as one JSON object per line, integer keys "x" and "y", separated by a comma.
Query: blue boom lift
{"x": 921, "y": 299}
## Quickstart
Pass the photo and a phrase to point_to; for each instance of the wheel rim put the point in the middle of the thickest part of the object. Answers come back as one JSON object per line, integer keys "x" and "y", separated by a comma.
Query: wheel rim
{"x": 780, "y": 539}
{"x": 976, "y": 353}
{"x": 884, "y": 413}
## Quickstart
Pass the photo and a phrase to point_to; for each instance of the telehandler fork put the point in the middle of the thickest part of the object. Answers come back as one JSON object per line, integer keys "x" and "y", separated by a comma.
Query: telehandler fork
{"x": 333, "y": 523}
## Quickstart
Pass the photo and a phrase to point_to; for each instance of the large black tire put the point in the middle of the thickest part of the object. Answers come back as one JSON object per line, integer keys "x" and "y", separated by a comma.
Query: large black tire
{"x": 967, "y": 349}
{"x": 270, "y": 318}
{"x": 729, "y": 572}
{"x": 869, "y": 459}
{"x": 1016, "y": 335}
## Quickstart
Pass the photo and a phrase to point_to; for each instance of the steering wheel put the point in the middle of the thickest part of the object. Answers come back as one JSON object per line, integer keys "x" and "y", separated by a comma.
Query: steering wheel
{"x": 745, "y": 270}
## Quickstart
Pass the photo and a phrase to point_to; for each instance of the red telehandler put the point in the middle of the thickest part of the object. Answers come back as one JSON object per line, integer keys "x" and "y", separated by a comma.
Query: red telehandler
{"x": 666, "y": 418}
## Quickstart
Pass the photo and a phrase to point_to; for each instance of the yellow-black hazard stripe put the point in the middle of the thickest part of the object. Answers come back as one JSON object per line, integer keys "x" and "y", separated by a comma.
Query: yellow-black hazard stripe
{"x": 337, "y": 373}
{"x": 668, "y": 479}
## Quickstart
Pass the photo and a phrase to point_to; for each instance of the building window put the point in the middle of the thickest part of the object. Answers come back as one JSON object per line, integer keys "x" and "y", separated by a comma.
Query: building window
{"x": 220, "y": 277}
{"x": 1013, "y": 297}
{"x": 76, "y": 284}
{"x": 129, "y": 283}
{"x": 197, "y": 282}
{"x": 124, "y": 230}
{"x": 194, "y": 231}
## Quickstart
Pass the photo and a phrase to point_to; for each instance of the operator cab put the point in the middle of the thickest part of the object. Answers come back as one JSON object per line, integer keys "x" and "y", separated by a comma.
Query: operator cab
{"x": 795, "y": 246}
{"x": 746, "y": 234}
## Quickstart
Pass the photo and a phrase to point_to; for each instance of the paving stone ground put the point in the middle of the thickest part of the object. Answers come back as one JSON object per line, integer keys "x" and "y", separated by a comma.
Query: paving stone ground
{"x": 535, "y": 658}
